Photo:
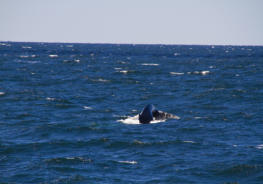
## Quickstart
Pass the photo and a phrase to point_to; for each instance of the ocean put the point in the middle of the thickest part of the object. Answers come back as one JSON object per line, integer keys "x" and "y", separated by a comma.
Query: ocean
{"x": 66, "y": 109}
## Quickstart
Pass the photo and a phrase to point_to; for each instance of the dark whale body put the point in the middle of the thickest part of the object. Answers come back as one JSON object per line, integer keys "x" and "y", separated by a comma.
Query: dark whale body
{"x": 150, "y": 113}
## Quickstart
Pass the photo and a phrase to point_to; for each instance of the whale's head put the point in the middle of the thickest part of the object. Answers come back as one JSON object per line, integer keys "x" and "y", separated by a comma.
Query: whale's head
{"x": 146, "y": 116}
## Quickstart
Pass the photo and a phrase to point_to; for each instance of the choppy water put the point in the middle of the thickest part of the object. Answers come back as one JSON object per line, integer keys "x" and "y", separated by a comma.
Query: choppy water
{"x": 63, "y": 106}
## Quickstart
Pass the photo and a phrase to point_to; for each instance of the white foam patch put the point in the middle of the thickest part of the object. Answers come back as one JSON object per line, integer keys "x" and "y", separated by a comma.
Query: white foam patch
{"x": 3, "y": 44}
{"x": 100, "y": 80}
{"x": 188, "y": 141}
{"x": 53, "y": 56}
{"x": 128, "y": 162}
{"x": 149, "y": 64}
{"x": 26, "y": 47}
{"x": 176, "y": 73}
{"x": 24, "y": 56}
{"x": 134, "y": 120}
{"x": 260, "y": 147}
{"x": 50, "y": 99}
{"x": 87, "y": 108}
{"x": 205, "y": 72}
{"x": 199, "y": 72}
{"x": 124, "y": 72}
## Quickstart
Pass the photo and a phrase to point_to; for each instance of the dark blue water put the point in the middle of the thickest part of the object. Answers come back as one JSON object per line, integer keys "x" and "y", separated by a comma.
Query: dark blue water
{"x": 62, "y": 107}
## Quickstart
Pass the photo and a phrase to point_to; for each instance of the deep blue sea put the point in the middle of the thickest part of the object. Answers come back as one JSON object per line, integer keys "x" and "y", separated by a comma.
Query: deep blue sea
{"x": 63, "y": 108}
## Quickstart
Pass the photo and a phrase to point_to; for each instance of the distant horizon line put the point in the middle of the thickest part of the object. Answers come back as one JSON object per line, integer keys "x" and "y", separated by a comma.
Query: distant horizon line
{"x": 123, "y": 43}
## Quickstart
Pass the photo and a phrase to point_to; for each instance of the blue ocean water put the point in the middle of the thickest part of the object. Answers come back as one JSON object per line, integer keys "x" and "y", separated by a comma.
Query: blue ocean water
{"x": 63, "y": 108}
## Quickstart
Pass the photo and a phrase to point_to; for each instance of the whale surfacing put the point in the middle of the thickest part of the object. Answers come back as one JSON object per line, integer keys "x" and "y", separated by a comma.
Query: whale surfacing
{"x": 150, "y": 113}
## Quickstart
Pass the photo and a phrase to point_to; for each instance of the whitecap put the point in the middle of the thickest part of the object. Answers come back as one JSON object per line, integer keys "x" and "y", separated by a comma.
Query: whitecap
{"x": 100, "y": 80}
{"x": 53, "y": 56}
{"x": 189, "y": 141}
{"x": 23, "y": 56}
{"x": 128, "y": 162}
{"x": 176, "y": 54}
{"x": 2, "y": 93}
{"x": 205, "y": 72}
{"x": 5, "y": 44}
{"x": 70, "y": 158}
{"x": 33, "y": 62}
{"x": 123, "y": 71}
{"x": 77, "y": 60}
{"x": 149, "y": 64}
{"x": 176, "y": 73}
{"x": 87, "y": 108}
{"x": 50, "y": 99}
{"x": 26, "y": 47}
{"x": 259, "y": 146}
{"x": 199, "y": 72}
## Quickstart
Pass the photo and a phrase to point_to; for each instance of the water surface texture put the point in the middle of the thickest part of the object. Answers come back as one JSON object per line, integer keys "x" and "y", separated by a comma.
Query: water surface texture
{"x": 63, "y": 106}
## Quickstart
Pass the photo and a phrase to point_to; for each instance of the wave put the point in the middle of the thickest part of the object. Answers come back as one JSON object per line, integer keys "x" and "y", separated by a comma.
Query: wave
{"x": 149, "y": 64}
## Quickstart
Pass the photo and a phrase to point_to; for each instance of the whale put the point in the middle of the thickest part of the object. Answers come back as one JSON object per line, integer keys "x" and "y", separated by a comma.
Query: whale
{"x": 150, "y": 113}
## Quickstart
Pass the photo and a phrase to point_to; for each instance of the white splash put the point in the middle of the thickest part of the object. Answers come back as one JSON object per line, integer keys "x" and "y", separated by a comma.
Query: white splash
{"x": 134, "y": 120}
{"x": 205, "y": 72}
{"x": 259, "y": 146}
{"x": 33, "y": 62}
{"x": 128, "y": 162}
{"x": 100, "y": 80}
{"x": 123, "y": 71}
{"x": 87, "y": 108}
{"x": 50, "y": 99}
{"x": 188, "y": 141}
{"x": 24, "y": 56}
{"x": 53, "y": 56}
{"x": 26, "y": 47}
{"x": 176, "y": 73}
{"x": 199, "y": 72}
{"x": 149, "y": 64}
